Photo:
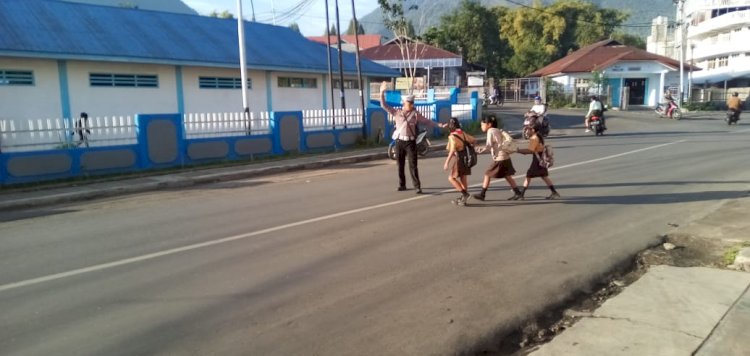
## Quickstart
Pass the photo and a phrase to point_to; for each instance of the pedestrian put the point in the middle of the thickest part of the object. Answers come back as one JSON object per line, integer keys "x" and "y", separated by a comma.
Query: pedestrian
{"x": 458, "y": 172}
{"x": 501, "y": 166}
{"x": 536, "y": 146}
{"x": 406, "y": 120}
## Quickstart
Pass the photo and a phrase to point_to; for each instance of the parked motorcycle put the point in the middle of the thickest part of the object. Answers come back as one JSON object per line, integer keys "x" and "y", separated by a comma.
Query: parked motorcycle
{"x": 596, "y": 125}
{"x": 423, "y": 145}
{"x": 529, "y": 119}
{"x": 732, "y": 117}
{"x": 671, "y": 111}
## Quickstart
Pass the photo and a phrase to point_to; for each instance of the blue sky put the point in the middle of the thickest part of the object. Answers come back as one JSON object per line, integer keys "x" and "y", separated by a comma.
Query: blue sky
{"x": 311, "y": 19}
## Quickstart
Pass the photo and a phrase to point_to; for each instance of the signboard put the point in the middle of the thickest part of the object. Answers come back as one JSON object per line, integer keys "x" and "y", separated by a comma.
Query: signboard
{"x": 405, "y": 83}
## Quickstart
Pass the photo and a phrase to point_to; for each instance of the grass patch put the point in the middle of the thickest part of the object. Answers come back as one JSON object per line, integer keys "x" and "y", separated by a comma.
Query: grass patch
{"x": 731, "y": 253}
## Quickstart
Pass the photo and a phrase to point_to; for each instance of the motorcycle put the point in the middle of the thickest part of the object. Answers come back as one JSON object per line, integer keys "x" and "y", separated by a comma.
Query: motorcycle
{"x": 672, "y": 111}
{"x": 423, "y": 145}
{"x": 597, "y": 125}
{"x": 732, "y": 117}
{"x": 529, "y": 119}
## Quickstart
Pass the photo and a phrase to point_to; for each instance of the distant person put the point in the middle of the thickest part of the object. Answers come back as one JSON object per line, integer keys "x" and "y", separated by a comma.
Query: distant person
{"x": 458, "y": 172}
{"x": 595, "y": 109}
{"x": 501, "y": 166}
{"x": 406, "y": 120}
{"x": 734, "y": 104}
{"x": 536, "y": 147}
{"x": 82, "y": 125}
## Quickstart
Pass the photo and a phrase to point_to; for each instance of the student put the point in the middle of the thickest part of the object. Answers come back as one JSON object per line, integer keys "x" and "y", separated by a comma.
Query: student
{"x": 406, "y": 120}
{"x": 458, "y": 172}
{"x": 502, "y": 166}
{"x": 536, "y": 146}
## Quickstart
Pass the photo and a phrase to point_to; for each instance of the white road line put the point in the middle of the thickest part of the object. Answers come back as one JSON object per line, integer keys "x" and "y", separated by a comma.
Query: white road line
{"x": 740, "y": 131}
{"x": 150, "y": 256}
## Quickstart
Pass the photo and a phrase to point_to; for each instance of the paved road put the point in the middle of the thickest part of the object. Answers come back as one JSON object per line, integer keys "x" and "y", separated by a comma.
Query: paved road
{"x": 336, "y": 262}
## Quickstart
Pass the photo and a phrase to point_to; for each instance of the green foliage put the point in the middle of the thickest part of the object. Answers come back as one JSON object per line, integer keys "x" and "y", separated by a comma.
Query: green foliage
{"x": 629, "y": 40}
{"x": 350, "y": 29}
{"x": 223, "y": 15}
{"x": 295, "y": 27}
{"x": 473, "y": 32}
{"x": 701, "y": 106}
{"x": 333, "y": 31}
{"x": 731, "y": 254}
{"x": 539, "y": 35}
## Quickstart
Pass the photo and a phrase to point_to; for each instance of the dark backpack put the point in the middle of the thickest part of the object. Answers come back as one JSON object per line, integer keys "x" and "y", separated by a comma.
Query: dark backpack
{"x": 468, "y": 155}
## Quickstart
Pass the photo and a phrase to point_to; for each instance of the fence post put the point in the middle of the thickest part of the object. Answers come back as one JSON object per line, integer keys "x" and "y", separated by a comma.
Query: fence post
{"x": 161, "y": 140}
{"x": 474, "y": 105}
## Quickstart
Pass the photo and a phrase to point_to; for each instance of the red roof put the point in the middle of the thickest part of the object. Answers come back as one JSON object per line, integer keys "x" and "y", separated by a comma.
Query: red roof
{"x": 365, "y": 41}
{"x": 601, "y": 55}
{"x": 391, "y": 51}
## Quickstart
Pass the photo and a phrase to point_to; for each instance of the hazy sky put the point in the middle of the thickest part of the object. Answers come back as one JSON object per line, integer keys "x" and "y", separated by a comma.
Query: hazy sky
{"x": 310, "y": 16}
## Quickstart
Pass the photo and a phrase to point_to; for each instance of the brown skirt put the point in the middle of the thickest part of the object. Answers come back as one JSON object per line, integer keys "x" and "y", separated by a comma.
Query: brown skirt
{"x": 458, "y": 168}
{"x": 536, "y": 170}
{"x": 500, "y": 169}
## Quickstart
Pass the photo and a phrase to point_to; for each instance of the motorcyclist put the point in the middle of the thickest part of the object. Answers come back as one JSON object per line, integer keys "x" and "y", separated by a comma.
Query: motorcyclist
{"x": 495, "y": 99}
{"x": 734, "y": 104}
{"x": 596, "y": 108}
{"x": 669, "y": 103}
{"x": 536, "y": 113}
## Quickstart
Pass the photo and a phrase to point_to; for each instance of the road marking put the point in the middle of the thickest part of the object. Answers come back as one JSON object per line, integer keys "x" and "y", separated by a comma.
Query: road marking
{"x": 740, "y": 131}
{"x": 150, "y": 256}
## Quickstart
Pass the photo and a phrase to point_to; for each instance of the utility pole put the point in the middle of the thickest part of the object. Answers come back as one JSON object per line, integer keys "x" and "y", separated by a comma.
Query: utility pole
{"x": 359, "y": 73}
{"x": 243, "y": 63}
{"x": 683, "y": 25}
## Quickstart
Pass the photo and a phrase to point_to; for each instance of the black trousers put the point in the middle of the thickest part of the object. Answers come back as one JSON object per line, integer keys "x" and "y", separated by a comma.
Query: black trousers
{"x": 404, "y": 150}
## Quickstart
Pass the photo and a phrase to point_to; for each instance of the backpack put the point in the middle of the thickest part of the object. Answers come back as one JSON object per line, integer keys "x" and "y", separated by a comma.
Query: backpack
{"x": 508, "y": 144}
{"x": 469, "y": 155}
{"x": 547, "y": 157}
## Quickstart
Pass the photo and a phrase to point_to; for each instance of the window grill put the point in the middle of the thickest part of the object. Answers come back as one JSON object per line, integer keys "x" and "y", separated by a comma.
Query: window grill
{"x": 16, "y": 77}
{"x": 123, "y": 80}
{"x": 222, "y": 83}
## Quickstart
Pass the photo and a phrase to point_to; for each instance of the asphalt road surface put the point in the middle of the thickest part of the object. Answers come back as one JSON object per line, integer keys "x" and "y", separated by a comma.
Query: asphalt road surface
{"x": 337, "y": 262}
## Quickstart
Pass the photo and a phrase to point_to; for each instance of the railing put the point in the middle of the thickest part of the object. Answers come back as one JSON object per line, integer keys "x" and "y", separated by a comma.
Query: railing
{"x": 425, "y": 110}
{"x": 316, "y": 120}
{"x": 44, "y": 134}
{"x": 202, "y": 125}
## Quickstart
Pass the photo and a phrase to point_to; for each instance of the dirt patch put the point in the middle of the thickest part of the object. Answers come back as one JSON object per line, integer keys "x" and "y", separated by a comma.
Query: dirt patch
{"x": 679, "y": 250}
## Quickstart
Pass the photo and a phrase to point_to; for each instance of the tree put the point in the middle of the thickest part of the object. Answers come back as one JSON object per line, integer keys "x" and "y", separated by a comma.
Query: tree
{"x": 333, "y": 31}
{"x": 540, "y": 35}
{"x": 294, "y": 27}
{"x": 472, "y": 31}
{"x": 629, "y": 40}
{"x": 223, "y": 15}
{"x": 412, "y": 49}
{"x": 350, "y": 29}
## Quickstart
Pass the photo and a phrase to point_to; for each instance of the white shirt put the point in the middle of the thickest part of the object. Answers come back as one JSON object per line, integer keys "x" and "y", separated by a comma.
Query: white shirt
{"x": 595, "y": 105}
{"x": 539, "y": 109}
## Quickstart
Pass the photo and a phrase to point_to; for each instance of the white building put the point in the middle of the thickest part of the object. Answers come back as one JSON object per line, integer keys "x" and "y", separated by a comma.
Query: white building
{"x": 717, "y": 39}
{"x": 58, "y": 59}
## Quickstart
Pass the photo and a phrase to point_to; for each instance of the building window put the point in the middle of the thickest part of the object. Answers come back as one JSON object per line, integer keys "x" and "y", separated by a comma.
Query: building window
{"x": 223, "y": 83}
{"x": 723, "y": 61}
{"x": 289, "y": 82}
{"x": 348, "y": 84}
{"x": 123, "y": 80}
{"x": 16, "y": 77}
{"x": 711, "y": 63}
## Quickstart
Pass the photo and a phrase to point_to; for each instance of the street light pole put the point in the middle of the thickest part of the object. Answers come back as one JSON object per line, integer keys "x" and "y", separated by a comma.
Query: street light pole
{"x": 243, "y": 61}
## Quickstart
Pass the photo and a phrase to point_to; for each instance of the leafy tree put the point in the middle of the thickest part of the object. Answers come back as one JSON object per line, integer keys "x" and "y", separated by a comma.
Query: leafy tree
{"x": 295, "y": 27}
{"x": 223, "y": 15}
{"x": 472, "y": 31}
{"x": 629, "y": 40}
{"x": 350, "y": 29}
{"x": 333, "y": 31}
{"x": 540, "y": 35}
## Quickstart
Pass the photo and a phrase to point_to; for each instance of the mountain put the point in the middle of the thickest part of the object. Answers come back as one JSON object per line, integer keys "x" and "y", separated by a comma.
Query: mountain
{"x": 427, "y": 13}
{"x": 175, "y": 6}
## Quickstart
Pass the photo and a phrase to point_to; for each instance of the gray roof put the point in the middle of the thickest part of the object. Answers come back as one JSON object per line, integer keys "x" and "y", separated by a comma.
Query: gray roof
{"x": 64, "y": 30}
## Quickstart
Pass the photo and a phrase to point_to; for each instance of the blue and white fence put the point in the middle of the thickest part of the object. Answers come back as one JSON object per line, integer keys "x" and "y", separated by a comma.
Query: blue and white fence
{"x": 47, "y": 150}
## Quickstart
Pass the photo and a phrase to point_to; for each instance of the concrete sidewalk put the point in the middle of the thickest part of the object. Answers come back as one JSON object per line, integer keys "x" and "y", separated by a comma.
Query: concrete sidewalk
{"x": 668, "y": 311}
